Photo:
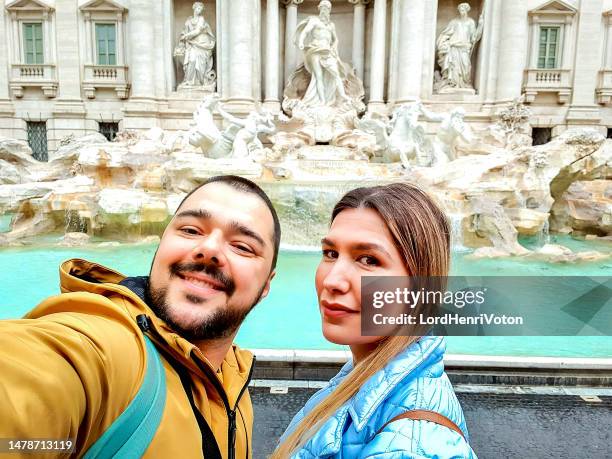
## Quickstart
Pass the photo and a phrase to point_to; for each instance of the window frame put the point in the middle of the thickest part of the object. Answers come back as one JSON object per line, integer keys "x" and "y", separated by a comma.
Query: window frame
{"x": 558, "y": 58}
{"x": 97, "y": 42}
{"x": 24, "y": 54}
{"x": 554, "y": 13}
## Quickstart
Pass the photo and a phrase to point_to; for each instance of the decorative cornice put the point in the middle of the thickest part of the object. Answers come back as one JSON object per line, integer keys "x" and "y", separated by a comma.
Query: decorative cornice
{"x": 292, "y": 2}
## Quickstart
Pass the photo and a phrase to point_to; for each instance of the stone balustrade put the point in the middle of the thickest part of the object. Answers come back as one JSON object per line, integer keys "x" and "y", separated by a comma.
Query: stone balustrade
{"x": 106, "y": 76}
{"x": 41, "y": 76}
{"x": 548, "y": 80}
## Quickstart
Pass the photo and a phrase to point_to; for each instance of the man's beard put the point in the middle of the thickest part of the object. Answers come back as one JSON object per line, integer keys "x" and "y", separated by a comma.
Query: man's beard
{"x": 220, "y": 323}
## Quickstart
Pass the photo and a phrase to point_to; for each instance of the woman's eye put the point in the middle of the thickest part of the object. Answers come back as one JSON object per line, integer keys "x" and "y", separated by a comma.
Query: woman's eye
{"x": 328, "y": 253}
{"x": 368, "y": 260}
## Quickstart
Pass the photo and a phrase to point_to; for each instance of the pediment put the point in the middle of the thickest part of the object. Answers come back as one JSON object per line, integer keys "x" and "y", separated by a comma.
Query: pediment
{"x": 30, "y": 5}
{"x": 554, "y": 7}
{"x": 101, "y": 6}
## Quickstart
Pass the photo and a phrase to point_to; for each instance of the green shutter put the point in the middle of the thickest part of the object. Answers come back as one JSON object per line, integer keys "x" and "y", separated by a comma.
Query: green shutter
{"x": 548, "y": 47}
{"x": 105, "y": 38}
{"x": 33, "y": 43}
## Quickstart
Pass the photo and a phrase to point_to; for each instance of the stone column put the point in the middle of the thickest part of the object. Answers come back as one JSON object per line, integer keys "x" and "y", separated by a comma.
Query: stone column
{"x": 587, "y": 63}
{"x": 240, "y": 59}
{"x": 290, "y": 26}
{"x": 377, "y": 61}
{"x": 68, "y": 62}
{"x": 4, "y": 60}
{"x": 490, "y": 46}
{"x": 47, "y": 43}
{"x": 359, "y": 35}
{"x": 608, "y": 32}
{"x": 17, "y": 57}
{"x": 89, "y": 39}
{"x": 141, "y": 40}
{"x": 512, "y": 59}
{"x": 271, "y": 100}
{"x": 410, "y": 50}
{"x": 120, "y": 30}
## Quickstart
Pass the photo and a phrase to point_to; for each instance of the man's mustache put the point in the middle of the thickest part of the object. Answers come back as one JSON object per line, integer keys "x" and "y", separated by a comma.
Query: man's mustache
{"x": 181, "y": 269}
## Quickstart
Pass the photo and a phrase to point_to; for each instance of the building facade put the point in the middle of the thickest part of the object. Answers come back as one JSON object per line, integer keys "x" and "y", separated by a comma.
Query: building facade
{"x": 72, "y": 67}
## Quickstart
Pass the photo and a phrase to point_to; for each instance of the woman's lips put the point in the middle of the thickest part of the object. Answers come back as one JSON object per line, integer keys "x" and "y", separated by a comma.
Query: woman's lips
{"x": 335, "y": 310}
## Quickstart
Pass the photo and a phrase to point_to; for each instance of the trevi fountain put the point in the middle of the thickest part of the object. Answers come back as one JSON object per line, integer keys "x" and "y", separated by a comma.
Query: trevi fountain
{"x": 514, "y": 208}
{"x": 494, "y": 185}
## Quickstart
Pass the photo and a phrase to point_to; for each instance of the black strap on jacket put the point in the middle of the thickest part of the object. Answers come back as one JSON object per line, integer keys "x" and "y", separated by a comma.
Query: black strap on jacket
{"x": 210, "y": 448}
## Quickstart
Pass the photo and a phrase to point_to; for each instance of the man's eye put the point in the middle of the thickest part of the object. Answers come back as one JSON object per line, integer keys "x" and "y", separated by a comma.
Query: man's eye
{"x": 328, "y": 253}
{"x": 368, "y": 260}
{"x": 189, "y": 230}
{"x": 244, "y": 248}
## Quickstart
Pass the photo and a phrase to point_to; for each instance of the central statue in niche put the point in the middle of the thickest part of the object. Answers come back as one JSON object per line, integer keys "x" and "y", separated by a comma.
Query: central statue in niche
{"x": 454, "y": 47}
{"x": 323, "y": 92}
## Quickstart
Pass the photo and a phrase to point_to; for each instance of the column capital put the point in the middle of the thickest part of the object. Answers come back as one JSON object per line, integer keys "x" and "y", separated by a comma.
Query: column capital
{"x": 359, "y": 2}
{"x": 292, "y": 2}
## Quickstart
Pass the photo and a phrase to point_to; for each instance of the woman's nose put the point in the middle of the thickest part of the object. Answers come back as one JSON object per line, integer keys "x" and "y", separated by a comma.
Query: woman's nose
{"x": 337, "y": 279}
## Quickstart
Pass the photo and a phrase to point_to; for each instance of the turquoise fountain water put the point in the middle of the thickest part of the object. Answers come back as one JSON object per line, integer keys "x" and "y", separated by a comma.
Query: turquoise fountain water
{"x": 289, "y": 317}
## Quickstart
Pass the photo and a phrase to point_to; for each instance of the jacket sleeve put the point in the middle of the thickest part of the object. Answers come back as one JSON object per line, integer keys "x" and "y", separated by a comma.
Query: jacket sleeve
{"x": 408, "y": 439}
{"x": 68, "y": 375}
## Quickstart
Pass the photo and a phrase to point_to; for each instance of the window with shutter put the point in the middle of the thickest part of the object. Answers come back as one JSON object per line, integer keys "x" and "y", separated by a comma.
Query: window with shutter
{"x": 106, "y": 44}
{"x": 33, "y": 43}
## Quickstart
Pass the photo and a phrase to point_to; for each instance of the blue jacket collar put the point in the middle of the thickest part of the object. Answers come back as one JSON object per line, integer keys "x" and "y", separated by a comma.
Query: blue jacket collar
{"x": 419, "y": 356}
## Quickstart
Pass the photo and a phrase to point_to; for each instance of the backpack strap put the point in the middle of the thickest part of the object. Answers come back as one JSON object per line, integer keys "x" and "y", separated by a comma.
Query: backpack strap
{"x": 425, "y": 415}
{"x": 131, "y": 433}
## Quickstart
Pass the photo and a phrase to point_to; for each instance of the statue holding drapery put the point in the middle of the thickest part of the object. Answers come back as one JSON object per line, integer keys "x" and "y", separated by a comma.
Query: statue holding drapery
{"x": 195, "y": 51}
{"x": 455, "y": 46}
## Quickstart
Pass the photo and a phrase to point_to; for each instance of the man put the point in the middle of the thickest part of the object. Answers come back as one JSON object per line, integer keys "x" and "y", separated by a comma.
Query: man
{"x": 316, "y": 37}
{"x": 76, "y": 362}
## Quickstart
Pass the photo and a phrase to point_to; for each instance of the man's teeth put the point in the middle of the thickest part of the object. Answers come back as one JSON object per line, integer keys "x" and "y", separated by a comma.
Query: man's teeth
{"x": 201, "y": 283}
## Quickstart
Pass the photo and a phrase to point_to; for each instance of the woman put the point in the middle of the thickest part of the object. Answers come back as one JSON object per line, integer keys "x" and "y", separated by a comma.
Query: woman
{"x": 392, "y": 230}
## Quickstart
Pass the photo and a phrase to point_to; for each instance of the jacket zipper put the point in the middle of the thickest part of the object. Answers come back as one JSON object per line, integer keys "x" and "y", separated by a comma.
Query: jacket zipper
{"x": 231, "y": 413}
{"x": 144, "y": 322}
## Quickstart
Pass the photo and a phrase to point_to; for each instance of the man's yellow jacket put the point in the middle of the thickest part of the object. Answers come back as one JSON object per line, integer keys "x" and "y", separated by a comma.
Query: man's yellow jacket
{"x": 73, "y": 364}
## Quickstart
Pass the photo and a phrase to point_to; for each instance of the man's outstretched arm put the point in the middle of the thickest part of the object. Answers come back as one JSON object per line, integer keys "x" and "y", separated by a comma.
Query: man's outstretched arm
{"x": 67, "y": 375}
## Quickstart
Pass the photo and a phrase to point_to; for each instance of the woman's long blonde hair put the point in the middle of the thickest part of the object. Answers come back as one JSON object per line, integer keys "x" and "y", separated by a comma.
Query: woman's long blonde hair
{"x": 420, "y": 231}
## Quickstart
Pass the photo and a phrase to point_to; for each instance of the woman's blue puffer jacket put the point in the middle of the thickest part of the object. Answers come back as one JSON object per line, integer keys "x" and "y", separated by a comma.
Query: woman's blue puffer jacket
{"x": 414, "y": 379}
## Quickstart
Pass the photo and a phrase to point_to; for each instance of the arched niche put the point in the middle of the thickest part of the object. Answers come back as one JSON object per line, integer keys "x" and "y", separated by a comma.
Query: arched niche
{"x": 447, "y": 10}
{"x": 182, "y": 10}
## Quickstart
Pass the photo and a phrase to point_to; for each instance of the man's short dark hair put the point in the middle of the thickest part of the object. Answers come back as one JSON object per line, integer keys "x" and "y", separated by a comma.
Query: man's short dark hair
{"x": 246, "y": 186}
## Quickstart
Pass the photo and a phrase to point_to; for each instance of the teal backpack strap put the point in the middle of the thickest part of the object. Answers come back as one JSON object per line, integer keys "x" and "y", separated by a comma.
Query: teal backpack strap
{"x": 131, "y": 433}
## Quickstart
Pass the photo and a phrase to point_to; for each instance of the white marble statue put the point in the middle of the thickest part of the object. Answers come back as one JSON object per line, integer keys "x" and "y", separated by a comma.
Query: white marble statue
{"x": 195, "y": 51}
{"x": 239, "y": 140}
{"x": 324, "y": 88}
{"x": 246, "y": 143}
{"x": 316, "y": 38}
{"x": 452, "y": 128}
{"x": 402, "y": 138}
{"x": 454, "y": 48}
